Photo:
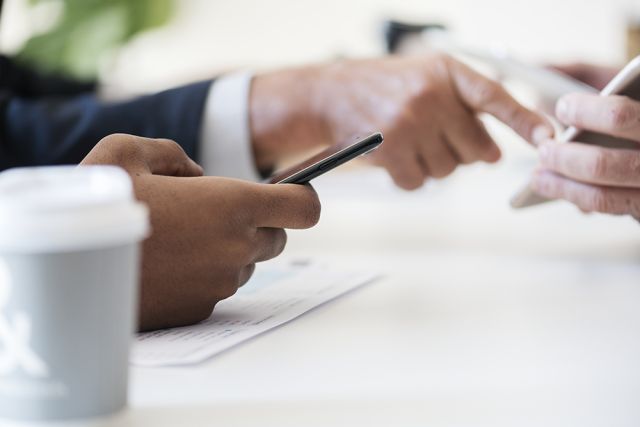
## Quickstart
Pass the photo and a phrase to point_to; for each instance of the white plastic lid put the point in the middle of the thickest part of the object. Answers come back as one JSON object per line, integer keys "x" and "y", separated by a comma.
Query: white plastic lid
{"x": 68, "y": 208}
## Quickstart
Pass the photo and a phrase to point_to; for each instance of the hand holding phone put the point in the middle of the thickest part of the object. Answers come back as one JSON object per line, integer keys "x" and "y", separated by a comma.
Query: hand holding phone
{"x": 625, "y": 83}
{"x": 326, "y": 160}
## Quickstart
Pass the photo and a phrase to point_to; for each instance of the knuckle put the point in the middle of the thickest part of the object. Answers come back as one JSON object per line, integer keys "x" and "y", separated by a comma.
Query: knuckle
{"x": 545, "y": 186}
{"x": 172, "y": 147}
{"x": 442, "y": 63}
{"x": 114, "y": 138}
{"x": 484, "y": 92}
{"x": 116, "y": 149}
{"x": 426, "y": 94}
{"x": 599, "y": 201}
{"x": 633, "y": 165}
{"x": 172, "y": 153}
{"x": 438, "y": 57}
{"x": 622, "y": 114}
{"x": 599, "y": 166}
{"x": 122, "y": 142}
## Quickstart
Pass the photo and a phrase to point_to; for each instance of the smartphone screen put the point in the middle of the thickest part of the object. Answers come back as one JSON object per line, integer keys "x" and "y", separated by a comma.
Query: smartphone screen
{"x": 326, "y": 160}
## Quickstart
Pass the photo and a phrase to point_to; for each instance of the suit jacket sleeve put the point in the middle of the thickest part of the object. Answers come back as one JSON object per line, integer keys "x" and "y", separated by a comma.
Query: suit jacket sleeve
{"x": 26, "y": 82}
{"x": 54, "y": 129}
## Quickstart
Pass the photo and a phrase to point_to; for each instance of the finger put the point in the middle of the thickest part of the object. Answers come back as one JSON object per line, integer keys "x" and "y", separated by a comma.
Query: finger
{"x": 245, "y": 274}
{"x": 614, "y": 115}
{"x": 439, "y": 157}
{"x": 166, "y": 157}
{"x": 470, "y": 140}
{"x": 404, "y": 166}
{"x": 592, "y": 164}
{"x": 285, "y": 206}
{"x": 484, "y": 95}
{"x": 269, "y": 243}
{"x": 590, "y": 198}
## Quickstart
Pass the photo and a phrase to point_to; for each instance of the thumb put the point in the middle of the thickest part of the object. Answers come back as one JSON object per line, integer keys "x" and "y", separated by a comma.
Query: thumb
{"x": 286, "y": 206}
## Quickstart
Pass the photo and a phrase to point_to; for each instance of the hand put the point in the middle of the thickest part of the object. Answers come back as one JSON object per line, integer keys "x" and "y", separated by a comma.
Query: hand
{"x": 594, "y": 75}
{"x": 427, "y": 108}
{"x": 594, "y": 178}
{"x": 208, "y": 232}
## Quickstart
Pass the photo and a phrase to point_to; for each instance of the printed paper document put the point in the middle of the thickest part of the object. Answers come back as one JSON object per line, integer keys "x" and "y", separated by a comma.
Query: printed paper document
{"x": 278, "y": 293}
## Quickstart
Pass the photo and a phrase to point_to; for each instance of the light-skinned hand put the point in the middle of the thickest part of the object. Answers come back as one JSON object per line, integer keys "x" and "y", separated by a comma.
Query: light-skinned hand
{"x": 427, "y": 107}
{"x": 595, "y": 179}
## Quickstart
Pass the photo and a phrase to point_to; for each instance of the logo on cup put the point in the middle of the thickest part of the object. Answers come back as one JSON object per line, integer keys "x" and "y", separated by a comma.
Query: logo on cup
{"x": 15, "y": 334}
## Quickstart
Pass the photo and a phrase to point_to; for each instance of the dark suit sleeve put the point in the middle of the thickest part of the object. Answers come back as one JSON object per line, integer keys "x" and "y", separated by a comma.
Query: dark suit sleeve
{"x": 62, "y": 130}
{"x": 26, "y": 82}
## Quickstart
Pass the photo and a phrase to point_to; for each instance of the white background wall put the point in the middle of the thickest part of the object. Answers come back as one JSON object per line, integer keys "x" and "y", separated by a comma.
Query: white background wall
{"x": 207, "y": 36}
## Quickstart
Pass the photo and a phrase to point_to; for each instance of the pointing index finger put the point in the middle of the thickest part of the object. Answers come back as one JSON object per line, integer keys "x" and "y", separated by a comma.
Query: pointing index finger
{"x": 485, "y": 95}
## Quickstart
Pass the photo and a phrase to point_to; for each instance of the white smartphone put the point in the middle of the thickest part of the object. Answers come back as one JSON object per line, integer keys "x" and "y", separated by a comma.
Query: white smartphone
{"x": 627, "y": 83}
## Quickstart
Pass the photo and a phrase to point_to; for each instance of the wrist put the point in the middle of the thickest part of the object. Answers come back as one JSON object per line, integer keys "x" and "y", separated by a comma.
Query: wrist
{"x": 285, "y": 115}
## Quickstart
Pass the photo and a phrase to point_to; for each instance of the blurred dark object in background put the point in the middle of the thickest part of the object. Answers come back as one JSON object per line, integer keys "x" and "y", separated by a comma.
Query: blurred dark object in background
{"x": 396, "y": 31}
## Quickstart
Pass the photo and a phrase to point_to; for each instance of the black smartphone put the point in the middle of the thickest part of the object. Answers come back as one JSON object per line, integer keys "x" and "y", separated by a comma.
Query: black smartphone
{"x": 325, "y": 161}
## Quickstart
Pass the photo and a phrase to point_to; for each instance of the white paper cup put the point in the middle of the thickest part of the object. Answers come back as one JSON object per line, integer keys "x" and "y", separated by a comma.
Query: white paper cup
{"x": 69, "y": 266}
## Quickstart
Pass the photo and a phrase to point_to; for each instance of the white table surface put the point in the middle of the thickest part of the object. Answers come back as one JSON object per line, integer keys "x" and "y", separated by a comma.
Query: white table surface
{"x": 485, "y": 317}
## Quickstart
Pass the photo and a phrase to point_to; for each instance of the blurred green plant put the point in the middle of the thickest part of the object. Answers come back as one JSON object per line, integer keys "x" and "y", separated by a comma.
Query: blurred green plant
{"x": 88, "y": 29}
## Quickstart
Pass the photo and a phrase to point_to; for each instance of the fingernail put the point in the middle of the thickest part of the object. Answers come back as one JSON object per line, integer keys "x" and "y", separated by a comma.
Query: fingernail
{"x": 540, "y": 134}
{"x": 562, "y": 109}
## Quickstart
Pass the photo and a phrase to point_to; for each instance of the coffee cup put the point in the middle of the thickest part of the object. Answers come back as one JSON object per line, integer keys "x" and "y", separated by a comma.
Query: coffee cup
{"x": 69, "y": 270}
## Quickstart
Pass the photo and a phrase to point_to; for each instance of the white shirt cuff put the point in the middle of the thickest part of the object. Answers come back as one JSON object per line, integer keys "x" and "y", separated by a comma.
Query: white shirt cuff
{"x": 225, "y": 140}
